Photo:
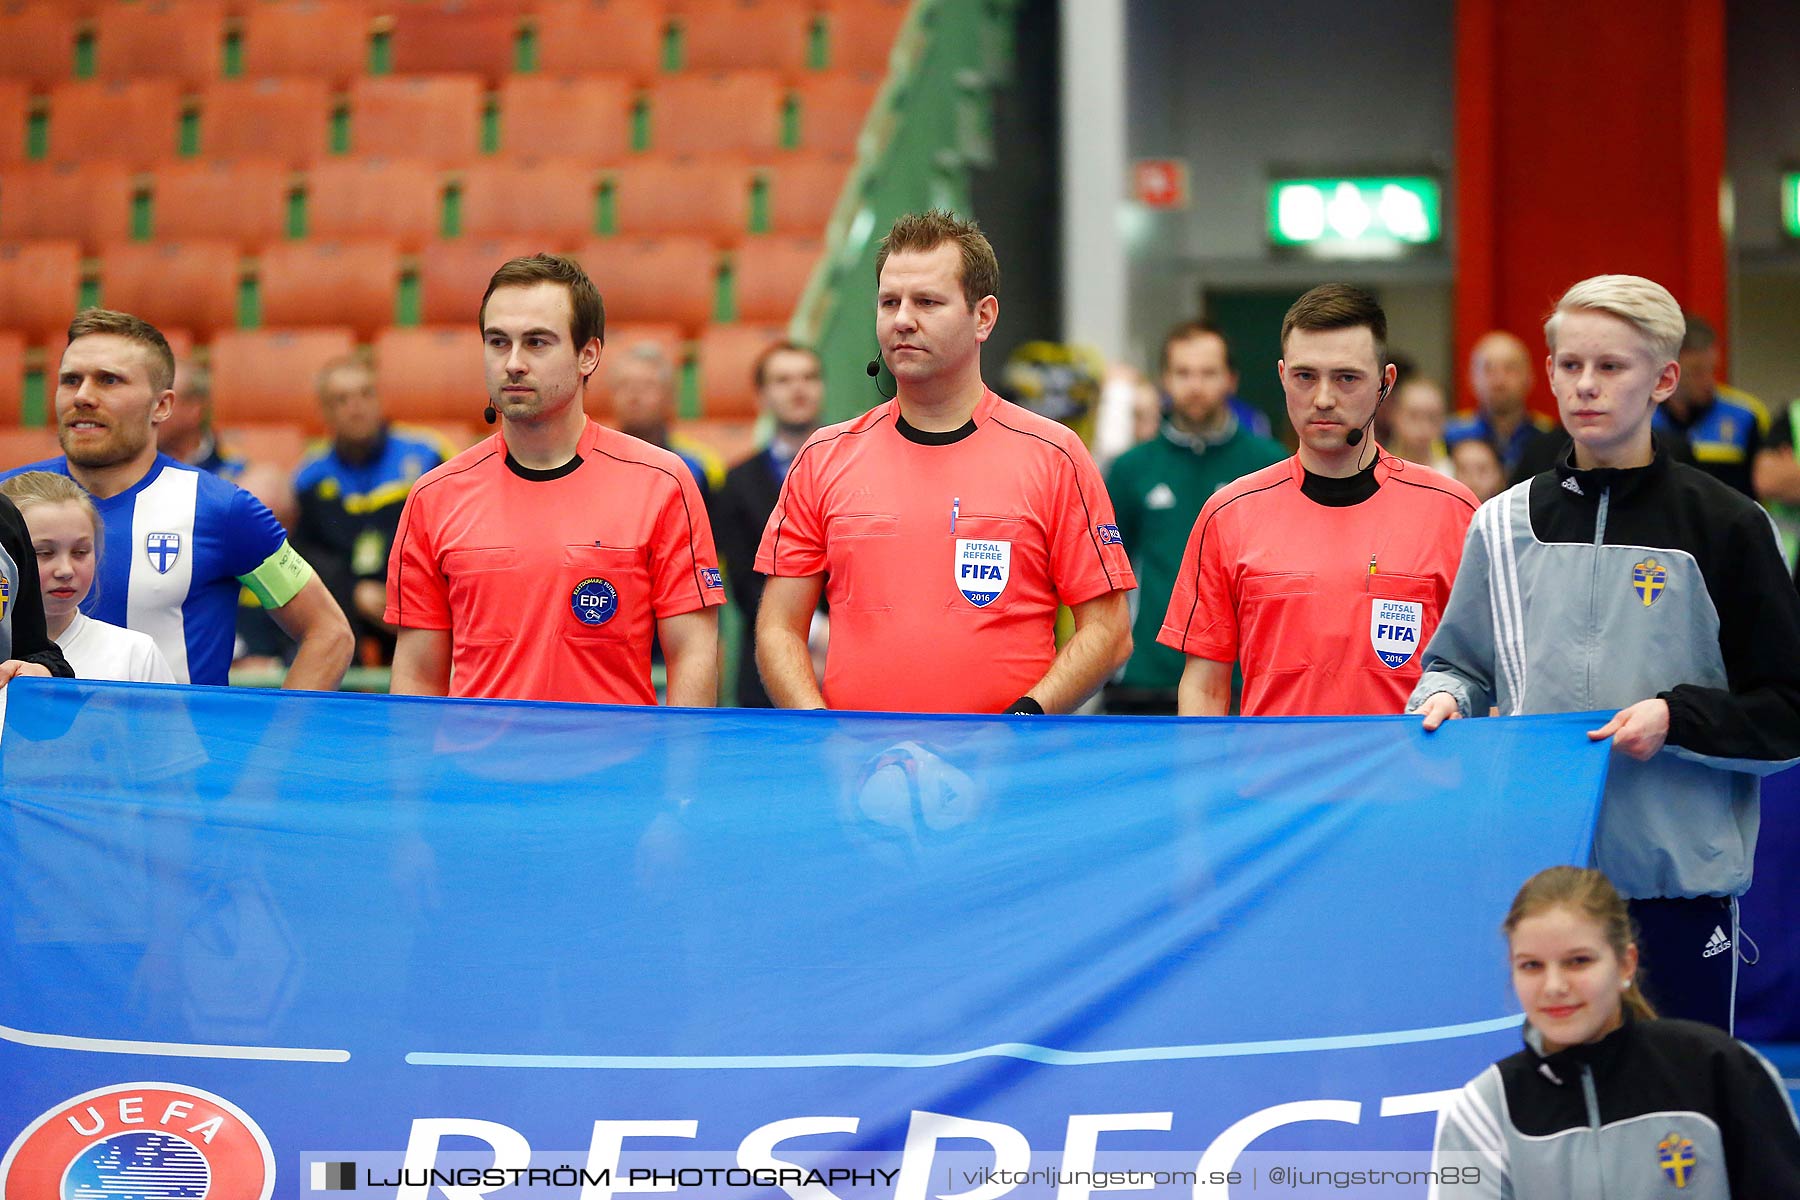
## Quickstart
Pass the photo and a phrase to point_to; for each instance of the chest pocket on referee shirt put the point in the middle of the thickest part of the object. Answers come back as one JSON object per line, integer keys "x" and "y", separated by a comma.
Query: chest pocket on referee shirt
{"x": 469, "y": 579}
{"x": 864, "y": 554}
{"x": 1402, "y": 614}
{"x": 1274, "y": 613}
{"x": 986, "y": 555}
{"x": 607, "y": 590}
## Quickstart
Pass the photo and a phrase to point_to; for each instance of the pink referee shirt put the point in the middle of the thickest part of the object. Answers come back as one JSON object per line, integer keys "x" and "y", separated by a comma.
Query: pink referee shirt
{"x": 1327, "y": 608}
{"x": 945, "y": 555}
{"x": 551, "y": 582}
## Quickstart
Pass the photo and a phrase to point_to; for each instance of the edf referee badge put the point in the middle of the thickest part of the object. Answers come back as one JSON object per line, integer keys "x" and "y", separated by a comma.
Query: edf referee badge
{"x": 1648, "y": 579}
{"x": 594, "y": 601}
{"x": 982, "y": 568}
{"x": 1394, "y": 627}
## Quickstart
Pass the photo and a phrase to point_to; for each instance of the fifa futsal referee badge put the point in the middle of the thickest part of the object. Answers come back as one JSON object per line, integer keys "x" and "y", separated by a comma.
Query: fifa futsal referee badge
{"x": 1394, "y": 627}
{"x": 982, "y": 567}
{"x": 594, "y": 601}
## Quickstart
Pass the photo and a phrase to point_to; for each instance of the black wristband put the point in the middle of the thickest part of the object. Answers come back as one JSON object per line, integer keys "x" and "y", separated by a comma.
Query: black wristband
{"x": 1024, "y": 706}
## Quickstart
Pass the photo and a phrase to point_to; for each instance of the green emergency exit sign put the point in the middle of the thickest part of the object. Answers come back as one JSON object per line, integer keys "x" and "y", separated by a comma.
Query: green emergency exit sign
{"x": 1790, "y": 203}
{"x": 1356, "y": 217}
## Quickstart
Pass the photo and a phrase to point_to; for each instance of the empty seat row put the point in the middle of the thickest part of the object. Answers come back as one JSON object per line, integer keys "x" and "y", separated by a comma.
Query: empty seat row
{"x": 446, "y": 118}
{"x": 426, "y": 374}
{"x": 551, "y": 200}
{"x": 205, "y": 286}
{"x": 196, "y": 41}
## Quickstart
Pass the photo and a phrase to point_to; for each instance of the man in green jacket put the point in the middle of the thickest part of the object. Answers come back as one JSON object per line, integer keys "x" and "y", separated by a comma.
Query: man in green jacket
{"x": 1158, "y": 488}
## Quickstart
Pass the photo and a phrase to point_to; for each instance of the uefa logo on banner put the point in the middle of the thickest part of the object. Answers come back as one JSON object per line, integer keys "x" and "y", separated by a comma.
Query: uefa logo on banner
{"x": 140, "y": 1139}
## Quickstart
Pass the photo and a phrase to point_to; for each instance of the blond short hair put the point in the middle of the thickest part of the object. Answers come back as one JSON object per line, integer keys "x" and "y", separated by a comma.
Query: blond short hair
{"x": 33, "y": 488}
{"x": 1641, "y": 303}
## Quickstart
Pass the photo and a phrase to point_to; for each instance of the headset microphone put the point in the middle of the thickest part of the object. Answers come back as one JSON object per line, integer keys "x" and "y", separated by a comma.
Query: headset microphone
{"x": 874, "y": 367}
{"x": 1355, "y": 436}
{"x": 488, "y": 414}
{"x": 874, "y": 370}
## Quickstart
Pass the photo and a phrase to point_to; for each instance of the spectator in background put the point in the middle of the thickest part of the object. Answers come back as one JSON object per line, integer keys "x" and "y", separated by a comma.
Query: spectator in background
{"x": 1622, "y": 581}
{"x": 1777, "y": 477}
{"x": 1476, "y": 465}
{"x": 350, "y": 494}
{"x": 1500, "y": 374}
{"x": 1724, "y": 427}
{"x": 1416, "y": 425}
{"x": 1158, "y": 488}
{"x": 179, "y": 541}
{"x": 947, "y": 523}
{"x": 188, "y": 436}
{"x": 1325, "y": 574}
{"x": 643, "y": 404}
{"x": 790, "y": 391}
{"x": 539, "y": 563}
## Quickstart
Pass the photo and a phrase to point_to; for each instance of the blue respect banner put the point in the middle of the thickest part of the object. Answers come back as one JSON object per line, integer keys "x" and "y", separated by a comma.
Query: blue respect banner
{"x": 260, "y": 943}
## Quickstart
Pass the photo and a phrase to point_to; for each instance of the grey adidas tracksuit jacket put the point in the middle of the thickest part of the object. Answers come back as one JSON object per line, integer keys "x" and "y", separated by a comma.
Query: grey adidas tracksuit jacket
{"x": 1597, "y": 589}
{"x": 1655, "y": 1108}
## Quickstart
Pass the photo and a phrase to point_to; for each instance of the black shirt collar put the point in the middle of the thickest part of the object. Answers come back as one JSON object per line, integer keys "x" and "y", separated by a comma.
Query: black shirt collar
{"x": 925, "y": 438}
{"x": 1340, "y": 493}
{"x": 541, "y": 476}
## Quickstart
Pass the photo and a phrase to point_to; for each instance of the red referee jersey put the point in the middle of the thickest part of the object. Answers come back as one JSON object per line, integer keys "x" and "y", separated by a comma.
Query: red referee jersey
{"x": 1327, "y": 607}
{"x": 945, "y": 554}
{"x": 551, "y": 582}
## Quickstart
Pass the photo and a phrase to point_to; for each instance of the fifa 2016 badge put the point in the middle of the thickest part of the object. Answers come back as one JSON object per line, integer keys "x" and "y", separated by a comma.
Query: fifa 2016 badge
{"x": 1675, "y": 1154}
{"x": 594, "y": 601}
{"x": 141, "y": 1139}
{"x": 163, "y": 550}
{"x": 1394, "y": 629}
{"x": 982, "y": 568}
{"x": 1648, "y": 579}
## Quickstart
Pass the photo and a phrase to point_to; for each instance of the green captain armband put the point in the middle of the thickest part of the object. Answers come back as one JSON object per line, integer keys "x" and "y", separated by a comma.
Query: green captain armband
{"x": 280, "y": 577}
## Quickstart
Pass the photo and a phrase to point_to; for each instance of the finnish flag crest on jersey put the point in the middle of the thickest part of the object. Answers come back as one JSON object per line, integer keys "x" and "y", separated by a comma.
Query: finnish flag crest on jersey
{"x": 1394, "y": 627}
{"x": 162, "y": 549}
{"x": 982, "y": 567}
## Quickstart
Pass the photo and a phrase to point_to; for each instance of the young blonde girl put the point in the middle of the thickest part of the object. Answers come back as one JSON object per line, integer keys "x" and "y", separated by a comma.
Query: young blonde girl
{"x": 65, "y": 534}
{"x": 1607, "y": 1099}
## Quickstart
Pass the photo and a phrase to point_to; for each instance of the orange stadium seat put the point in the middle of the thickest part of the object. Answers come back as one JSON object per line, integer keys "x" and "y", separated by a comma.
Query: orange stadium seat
{"x": 727, "y": 354}
{"x": 861, "y": 33}
{"x": 12, "y": 378}
{"x": 672, "y": 280}
{"x": 803, "y": 193}
{"x": 621, "y": 336}
{"x": 15, "y": 105}
{"x": 833, "y": 108}
{"x": 436, "y": 117}
{"x": 129, "y": 121}
{"x": 453, "y": 275}
{"x": 326, "y": 39}
{"x": 433, "y": 373}
{"x": 554, "y": 201}
{"x": 730, "y": 35}
{"x": 447, "y": 37}
{"x": 655, "y": 197}
{"x": 279, "y": 446}
{"x": 269, "y": 376}
{"x": 769, "y": 274}
{"x": 40, "y": 284}
{"x": 87, "y": 201}
{"x": 192, "y": 284}
{"x": 243, "y": 201}
{"x": 581, "y": 37}
{"x": 581, "y": 117}
{"x": 21, "y": 446}
{"x": 285, "y": 119}
{"x": 733, "y": 113}
{"x": 329, "y": 283}
{"x": 37, "y": 43}
{"x": 176, "y": 39}
{"x": 358, "y": 198}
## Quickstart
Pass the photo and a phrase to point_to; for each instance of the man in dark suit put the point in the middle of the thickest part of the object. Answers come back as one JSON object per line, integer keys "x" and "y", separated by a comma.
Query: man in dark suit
{"x": 791, "y": 390}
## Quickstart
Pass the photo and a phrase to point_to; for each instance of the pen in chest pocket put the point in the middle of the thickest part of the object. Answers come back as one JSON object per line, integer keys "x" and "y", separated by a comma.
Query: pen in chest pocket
{"x": 955, "y": 505}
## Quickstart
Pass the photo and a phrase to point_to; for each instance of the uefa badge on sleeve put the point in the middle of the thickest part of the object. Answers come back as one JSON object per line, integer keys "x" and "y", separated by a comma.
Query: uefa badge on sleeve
{"x": 594, "y": 601}
{"x": 982, "y": 567}
{"x": 1394, "y": 628}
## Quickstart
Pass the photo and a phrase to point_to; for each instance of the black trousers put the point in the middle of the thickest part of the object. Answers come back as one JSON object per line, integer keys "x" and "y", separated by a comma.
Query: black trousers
{"x": 1688, "y": 954}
